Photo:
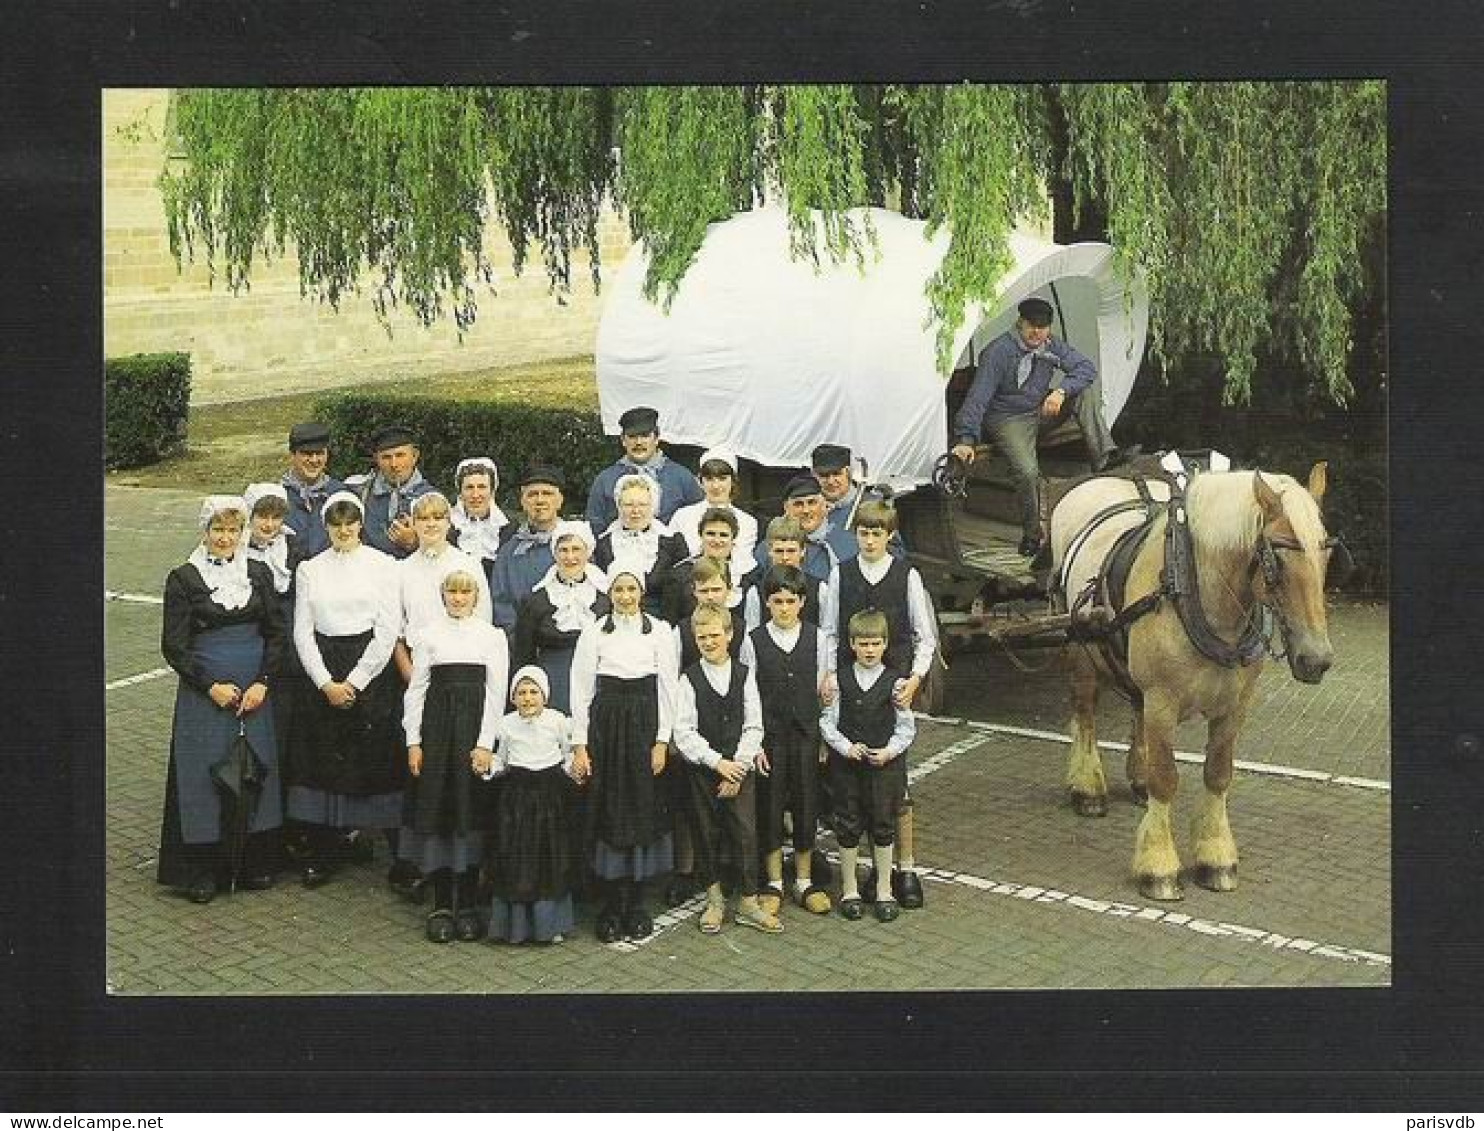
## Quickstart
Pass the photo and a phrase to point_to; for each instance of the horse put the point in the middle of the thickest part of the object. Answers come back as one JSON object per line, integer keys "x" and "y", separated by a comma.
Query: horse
{"x": 1259, "y": 552}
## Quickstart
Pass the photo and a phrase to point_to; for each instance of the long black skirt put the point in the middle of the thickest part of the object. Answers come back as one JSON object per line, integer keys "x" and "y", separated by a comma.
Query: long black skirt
{"x": 354, "y": 752}
{"x": 448, "y": 798}
{"x": 530, "y": 850}
{"x": 628, "y": 806}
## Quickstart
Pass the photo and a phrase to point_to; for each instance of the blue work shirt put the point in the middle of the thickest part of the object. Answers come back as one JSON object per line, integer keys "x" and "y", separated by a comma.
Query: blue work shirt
{"x": 376, "y": 496}
{"x": 820, "y": 557}
{"x": 995, "y": 391}
{"x": 521, "y": 561}
{"x": 304, "y": 518}
{"x": 678, "y": 488}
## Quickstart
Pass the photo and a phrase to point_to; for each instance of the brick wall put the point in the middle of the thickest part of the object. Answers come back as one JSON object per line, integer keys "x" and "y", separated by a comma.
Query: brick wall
{"x": 268, "y": 339}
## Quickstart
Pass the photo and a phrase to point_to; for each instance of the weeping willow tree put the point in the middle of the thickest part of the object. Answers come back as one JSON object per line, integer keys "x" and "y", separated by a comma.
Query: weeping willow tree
{"x": 1247, "y": 208}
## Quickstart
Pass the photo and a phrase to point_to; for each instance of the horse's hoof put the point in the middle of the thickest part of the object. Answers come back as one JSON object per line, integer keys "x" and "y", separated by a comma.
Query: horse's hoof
{"x": 1215, "y": 877}
{"x": 1140, "y": 793}
{"x": 1090, "y": 804}
{"x": 1166, "y": 889}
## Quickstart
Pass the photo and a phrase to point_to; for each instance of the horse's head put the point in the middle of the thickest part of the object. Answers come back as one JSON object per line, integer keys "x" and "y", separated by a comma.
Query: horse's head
{"x": 1293, "y": 553}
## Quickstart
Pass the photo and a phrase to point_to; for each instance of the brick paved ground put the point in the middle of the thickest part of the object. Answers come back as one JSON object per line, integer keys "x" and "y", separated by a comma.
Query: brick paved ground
{"x": 1021, "y": 893}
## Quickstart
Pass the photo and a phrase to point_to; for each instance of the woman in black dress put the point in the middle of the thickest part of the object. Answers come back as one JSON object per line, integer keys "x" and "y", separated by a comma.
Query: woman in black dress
{"x": 347, "y": 762}
{"x": 223, "y": 634}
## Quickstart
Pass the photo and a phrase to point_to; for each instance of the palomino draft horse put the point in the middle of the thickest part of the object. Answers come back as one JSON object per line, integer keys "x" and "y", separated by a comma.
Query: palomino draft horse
{"x": 1180, "y": 618}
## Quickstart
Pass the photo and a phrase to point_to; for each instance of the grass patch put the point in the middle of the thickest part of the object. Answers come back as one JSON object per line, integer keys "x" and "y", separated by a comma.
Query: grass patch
{"x": 231, "y": 445}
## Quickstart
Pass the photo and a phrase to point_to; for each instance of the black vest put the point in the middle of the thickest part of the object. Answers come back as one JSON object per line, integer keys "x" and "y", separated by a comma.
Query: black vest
{"x": 889, "y": 597}
{"x": 786, "y": 680}
{"x": 867, "y": 716}
{"x": 690, "y": 651}
{"x": 719, "y": 718}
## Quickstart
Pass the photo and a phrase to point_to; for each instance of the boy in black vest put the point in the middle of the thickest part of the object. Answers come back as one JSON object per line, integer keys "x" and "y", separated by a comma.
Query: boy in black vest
{"x": 785, "y": 540}
{"x": 868, "y": 733}
{"x": 875, "y": 579}
{"x": 718, "y": 731}
{"x": 793, "y": 663}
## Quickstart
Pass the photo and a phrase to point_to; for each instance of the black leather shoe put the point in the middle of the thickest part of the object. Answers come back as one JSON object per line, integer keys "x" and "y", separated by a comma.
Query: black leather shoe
{"x": 405, "y": 879}
{"x": 468, "y": 926}
{"x": 907, "y": 888}
{"x": 1117, "y": 458}
{"x": 315, "y": 875}
{"x": 201, "y": 890}
{"x": 637, "y": 924}
{"x": 1030, "y": 546}
{"x": 678, "y": 890}
{"x": 440, "y": 928}
{"x": 608, "y": 928}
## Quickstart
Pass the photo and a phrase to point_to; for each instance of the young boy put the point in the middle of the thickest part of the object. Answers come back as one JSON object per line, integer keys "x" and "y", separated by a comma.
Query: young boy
{"x": 793, "y": 663}
{"x": 708, "y": 589}
{"x": 868, "y": 733}
{"x": 718, "y": 731}
{"x": 785, "y": 539}
{"x": 707, "y": 586}
{"x": 874, "y": 579}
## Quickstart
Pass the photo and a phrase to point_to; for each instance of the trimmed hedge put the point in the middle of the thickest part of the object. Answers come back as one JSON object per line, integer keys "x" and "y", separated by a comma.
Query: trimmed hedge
{"x": 513, "y": 435}
{"x": 146, "y": 399}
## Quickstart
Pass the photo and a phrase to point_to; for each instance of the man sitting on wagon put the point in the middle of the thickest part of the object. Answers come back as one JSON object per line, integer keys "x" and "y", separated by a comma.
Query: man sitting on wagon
{"x": 1027, "y": 380}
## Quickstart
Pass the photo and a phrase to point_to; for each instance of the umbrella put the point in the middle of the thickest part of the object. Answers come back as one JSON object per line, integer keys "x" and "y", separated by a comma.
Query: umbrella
{"x": 239, "y": 779}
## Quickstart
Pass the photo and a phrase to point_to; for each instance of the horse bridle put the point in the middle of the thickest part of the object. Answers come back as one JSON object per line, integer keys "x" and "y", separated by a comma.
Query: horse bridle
{"x": 1265, "y": 560}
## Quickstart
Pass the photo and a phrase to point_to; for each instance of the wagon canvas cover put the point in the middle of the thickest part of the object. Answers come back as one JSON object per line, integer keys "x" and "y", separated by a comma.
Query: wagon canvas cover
{"x": 770, "y": 356}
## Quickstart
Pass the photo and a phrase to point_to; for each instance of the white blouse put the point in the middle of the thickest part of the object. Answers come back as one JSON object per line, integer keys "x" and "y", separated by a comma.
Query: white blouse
{"x": 461, "y": 640}
{"x": 537, "y": 743}
{"x": 420, "y": 580}
{"x": 636, "y": 549}
{"x": 627, "y": 653}
{"x": 687, "y": 521}
{"x": 345, "y": 594}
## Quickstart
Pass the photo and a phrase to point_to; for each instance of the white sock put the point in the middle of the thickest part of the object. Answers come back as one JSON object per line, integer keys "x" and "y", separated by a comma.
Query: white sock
{"x": 848, "y": 882}
{"x": 881, "y": 857}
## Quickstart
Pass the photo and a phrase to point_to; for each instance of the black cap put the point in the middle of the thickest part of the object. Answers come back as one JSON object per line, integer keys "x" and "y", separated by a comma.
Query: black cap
{"x": 392, "y": 436}
{"x": 1037, "y": 311}
{"x": 638, "y": 421}
{"x": 829, "y": 457}
{"x": 544, "y": 473}
{"x": 801, "y": 487}
{"x": 309, "y": 434}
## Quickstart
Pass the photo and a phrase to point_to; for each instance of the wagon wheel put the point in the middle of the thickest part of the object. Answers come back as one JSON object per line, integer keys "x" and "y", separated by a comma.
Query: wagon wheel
{"x": 933, "y": 691}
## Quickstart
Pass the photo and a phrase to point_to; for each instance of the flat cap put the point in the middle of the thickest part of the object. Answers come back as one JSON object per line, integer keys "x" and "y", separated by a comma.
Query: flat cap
{"x": 309, "y": 434}
{"x": 392, "y": 436}
{"x": 637, "y": 421}
{"x": 829, "y": 457}
{"x": 543, "y": 473}
{"x": 1037, "y": 311}
{"x": 802, "y": 487}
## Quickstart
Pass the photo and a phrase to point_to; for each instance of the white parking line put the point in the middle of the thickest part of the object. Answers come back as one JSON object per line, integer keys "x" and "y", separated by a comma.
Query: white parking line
{"x": 1112, "y": 909}
{"x": 142, "y": 677}
{"x": 1267, "y": 769}
{"x": 135, "y": 598}
{"x": 1116, "y": 910}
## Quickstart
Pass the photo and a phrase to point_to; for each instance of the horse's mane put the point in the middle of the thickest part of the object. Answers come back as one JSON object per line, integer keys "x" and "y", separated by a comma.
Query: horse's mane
{"x": 1225, "y": 517}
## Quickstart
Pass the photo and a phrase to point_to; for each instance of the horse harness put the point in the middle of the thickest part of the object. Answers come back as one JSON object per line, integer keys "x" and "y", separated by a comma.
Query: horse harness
{"x": 1178, "y": 583}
